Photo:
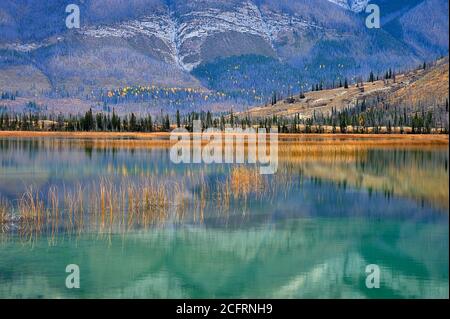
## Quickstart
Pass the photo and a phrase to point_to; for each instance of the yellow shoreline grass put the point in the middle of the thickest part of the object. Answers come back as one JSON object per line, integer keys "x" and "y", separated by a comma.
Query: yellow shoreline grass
{"x": 289, "y": 144}
{"x": 163, "y": 138}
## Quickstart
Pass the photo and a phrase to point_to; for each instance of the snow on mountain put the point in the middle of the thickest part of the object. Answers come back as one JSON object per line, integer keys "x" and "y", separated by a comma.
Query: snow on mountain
{"x": 162, "y": 41}
{"x": 160, "y": 26}
{"x": 26, "y": 47}
{"x": 277, "y": 24}
{"x": 184, "y": 35}
{"x": 353, "y": 5}
{"x": 21, "y": 47}
{"x": 359, "y": 5}
{"x": 196, "y": 26}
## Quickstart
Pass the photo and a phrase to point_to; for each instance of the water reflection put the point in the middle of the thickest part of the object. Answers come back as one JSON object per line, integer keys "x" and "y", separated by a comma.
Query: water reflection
{"x": 224, "y": 231}
{"x": 295, "y": 258}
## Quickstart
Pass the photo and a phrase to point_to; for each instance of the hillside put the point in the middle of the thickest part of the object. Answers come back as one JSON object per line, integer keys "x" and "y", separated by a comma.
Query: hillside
{"x": 414, "y": 89}
{"x": 179, "y": 44}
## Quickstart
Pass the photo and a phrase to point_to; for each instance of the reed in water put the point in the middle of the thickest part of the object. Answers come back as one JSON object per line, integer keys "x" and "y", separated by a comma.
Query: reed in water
{"x": 125, "y": 203}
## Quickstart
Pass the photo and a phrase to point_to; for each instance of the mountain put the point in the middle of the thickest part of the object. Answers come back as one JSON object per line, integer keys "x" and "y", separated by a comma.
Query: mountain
{"x": 417, "y": 90}
{"x": 353, "y": 5}
{"x": 201, "y": 43}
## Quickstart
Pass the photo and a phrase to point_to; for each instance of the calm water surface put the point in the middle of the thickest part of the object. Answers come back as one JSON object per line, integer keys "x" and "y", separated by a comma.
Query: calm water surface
{"x": 323, "y": 220}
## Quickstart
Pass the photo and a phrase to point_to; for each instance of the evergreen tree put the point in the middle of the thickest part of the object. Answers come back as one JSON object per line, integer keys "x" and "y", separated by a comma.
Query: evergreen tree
{"x": 133, "y": 123}
{"x": 88, "y": 121}
{"x": 178, "y": 119}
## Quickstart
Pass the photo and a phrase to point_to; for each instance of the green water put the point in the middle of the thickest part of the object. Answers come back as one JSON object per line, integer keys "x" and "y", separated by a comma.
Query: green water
{"x": 311, "y": 239}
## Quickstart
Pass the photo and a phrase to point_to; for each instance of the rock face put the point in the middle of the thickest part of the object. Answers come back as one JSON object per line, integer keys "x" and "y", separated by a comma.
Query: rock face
{"x": 353, "y": 5}
{"x": 162, "y": 41}
{"x": 200, "y": 32}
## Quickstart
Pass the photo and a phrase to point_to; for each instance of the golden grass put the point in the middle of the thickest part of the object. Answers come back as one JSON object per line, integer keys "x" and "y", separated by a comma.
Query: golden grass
{"x": 431, "y": 87}
{"x": 244, "y": 181}
{"x": 414, "y": 88}
{"x": 110, "y": 205}
{"x": 5, "y": 214}
{"x": 130, "y": 201}
{"x": 85, "y": 135}
{"x": 289, "y": 144}
{"x": 163, "y": 137}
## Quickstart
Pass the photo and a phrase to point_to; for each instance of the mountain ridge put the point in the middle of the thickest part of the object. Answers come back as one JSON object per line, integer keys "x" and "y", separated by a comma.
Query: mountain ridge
{"x": 163, "y": 42}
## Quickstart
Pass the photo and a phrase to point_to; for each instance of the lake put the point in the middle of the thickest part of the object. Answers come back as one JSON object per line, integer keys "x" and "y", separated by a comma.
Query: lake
{"x": 139, "y": 226}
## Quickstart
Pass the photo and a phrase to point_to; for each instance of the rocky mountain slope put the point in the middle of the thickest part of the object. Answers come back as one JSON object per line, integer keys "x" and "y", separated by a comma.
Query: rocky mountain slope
{"x": 163, "y": 42}
{"x": 354, "y": 5}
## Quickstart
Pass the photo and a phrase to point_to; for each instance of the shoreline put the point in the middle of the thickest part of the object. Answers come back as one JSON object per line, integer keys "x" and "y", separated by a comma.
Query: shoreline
{"x": 435, "y": 139}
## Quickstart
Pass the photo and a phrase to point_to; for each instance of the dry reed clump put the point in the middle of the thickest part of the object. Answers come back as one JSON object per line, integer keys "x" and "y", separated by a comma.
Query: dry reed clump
{"x": 5, "y": 215}
{"x": 103, "y": 206}
{"x": 240, "y": 184}
{"x": 32, "y": 213}
{"x": 27, "y": 217}
{"x": 244, "y": 181}
{"x": 122, "y": 203}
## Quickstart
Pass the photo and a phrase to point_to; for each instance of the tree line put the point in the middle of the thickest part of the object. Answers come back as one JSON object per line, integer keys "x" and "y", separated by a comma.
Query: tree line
{"x": 359, "y": 118}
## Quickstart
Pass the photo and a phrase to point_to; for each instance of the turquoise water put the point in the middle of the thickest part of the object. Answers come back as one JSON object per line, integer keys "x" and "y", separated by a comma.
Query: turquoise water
{"x": 311, "y": 236}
